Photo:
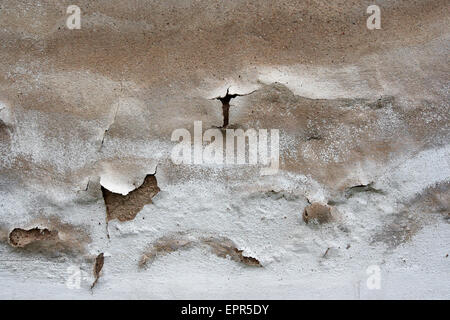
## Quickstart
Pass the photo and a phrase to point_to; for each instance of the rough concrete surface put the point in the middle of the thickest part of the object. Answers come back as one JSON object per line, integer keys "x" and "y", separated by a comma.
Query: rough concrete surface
{"x": 90, "y": 195}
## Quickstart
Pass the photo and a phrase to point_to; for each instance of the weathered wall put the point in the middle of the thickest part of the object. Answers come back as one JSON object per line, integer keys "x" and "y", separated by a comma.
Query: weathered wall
{"x": 86, "y": 118}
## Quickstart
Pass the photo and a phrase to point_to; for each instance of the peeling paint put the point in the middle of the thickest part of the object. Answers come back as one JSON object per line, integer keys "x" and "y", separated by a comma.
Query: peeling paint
{"x": 221, "y": 247}
{"x": 126, "y": 207}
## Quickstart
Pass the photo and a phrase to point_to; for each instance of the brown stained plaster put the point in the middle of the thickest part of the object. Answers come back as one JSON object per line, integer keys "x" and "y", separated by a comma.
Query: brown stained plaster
{"x": 398, "y": 229}
{"x": 317, "y": 213}
{"x": 373, "y": 135}
{"x": 434, "y": 199}
{"x": 165, "y": 245}
{"x": 53, "y": 237}
{"x": 223, "y": 248}
{"x": 126, "y": 207}
{"x": 99, "y": 261}
{"x": 294, "y": 31}
{"x": 219, "y": 246}
{"x": 404, "y": 225}
{"x": 20, "y": 237}
{"x": 3, "y": 234}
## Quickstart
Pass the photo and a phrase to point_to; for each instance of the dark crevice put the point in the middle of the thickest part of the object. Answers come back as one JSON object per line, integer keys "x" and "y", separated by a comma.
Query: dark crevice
{"x": 277, "y": 195}
{"x": 382, "y": 102}
{"x": 87, "y": 185}
{"x": 226, "y": 105}
{"x": 350, "y": 192}
{"x": 5, "y": 131}
{"x": 103, "y": 138}
{"x": 314, "y": 137}
{"x": 109, "y": 127}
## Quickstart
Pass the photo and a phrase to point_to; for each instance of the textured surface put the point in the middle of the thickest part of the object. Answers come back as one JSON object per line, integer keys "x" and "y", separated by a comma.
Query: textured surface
{"x": 364, "y": 132}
